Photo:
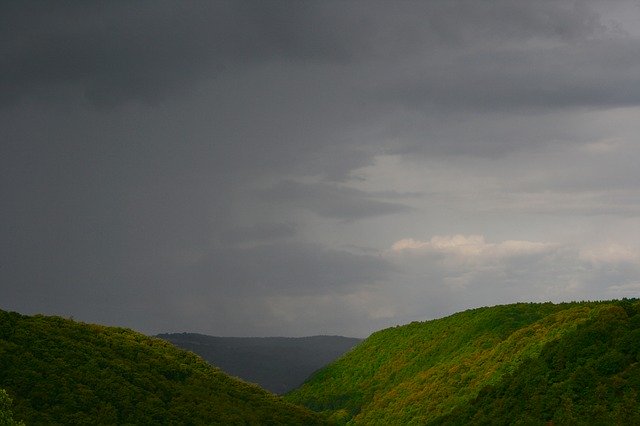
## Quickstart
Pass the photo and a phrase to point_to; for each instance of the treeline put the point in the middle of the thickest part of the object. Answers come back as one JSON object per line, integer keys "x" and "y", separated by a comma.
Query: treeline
{"x": 58, "y": 371}
{"x": 590, "y": 376}
{"x": 572, "y": 363}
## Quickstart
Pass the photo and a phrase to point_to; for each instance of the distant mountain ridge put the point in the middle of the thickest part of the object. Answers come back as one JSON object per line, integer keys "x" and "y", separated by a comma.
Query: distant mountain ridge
{"x": 526, "y": 363}
{"x": 278, "y": 364}
{"x": 59, "y": 371}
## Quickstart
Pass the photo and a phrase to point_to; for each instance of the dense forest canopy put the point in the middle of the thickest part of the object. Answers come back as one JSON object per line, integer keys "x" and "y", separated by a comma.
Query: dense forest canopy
{"x": 526, "y": 363}
{"x": 58, "y": 371}
{"x": 6, "y": 415}
{"x": 523, "y": 363}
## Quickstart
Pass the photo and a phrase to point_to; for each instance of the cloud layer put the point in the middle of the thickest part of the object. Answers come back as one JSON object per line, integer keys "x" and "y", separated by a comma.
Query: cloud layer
{"x": 254, "y": 168}
{"x": 466, "y": 270}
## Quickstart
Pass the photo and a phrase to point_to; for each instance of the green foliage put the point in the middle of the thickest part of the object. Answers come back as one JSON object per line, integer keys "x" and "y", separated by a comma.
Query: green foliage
{"x": 590, "y": 376}
{"x": 464, "y": 369}
{"x": 6, "y": 416}
{"x": 62, "y": 372}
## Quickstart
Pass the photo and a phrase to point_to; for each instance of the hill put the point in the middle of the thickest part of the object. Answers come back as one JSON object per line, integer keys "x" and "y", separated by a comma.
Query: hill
{"x": 573, "y": 363}
{"x": 278, "y": 364}
{"x": 58, "y": 371}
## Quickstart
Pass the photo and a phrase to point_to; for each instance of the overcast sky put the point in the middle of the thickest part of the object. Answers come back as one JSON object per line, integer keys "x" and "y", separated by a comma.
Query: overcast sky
{"x": 296, "y": 168}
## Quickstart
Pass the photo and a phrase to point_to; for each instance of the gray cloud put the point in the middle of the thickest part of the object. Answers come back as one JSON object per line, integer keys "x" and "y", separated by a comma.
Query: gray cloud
{"x": 460, "y": 272}
{"x": 589, "y": 74}
{"x": 258, "y": 233}
{"x": 116, "y": 53}
{"x": 334, "y": 201}
{"x": 146, "y": 51}
{"x": 207, "y": 289}
{"x": 291, "y": 269}
{"x": 202, "y": 166}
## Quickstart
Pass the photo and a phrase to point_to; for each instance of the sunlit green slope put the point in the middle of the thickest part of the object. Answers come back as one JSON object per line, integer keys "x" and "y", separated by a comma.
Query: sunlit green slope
{"x": 523, "y": 363}
{"x": 58, "y": 371}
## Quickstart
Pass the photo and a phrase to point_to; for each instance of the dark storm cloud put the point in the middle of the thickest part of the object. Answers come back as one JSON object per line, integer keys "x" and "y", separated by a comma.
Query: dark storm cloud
{"x": 506, "y": 56}
{"x": 133, "y": 137}
{"x": 114, "y": 52}
{"x": 332, "y": 200}
{"x": 290, "y": 269}
{"x": 600, "y": 74}
{"x": 257, "y": 233}
{"x": 186, "y": 287}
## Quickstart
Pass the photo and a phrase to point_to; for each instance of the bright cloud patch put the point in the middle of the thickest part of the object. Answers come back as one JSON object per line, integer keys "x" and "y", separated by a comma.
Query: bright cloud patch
{"x": 610, "y": 253}
{"x": 472, "y": 271}
{"x": 472, "y": 246}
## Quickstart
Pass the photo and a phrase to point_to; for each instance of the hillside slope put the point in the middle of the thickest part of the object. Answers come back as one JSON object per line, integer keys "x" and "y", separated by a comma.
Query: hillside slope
{"x": 58, "y": 371}
{"x": 278, "y": 364}
{"x": 521, "y": 363}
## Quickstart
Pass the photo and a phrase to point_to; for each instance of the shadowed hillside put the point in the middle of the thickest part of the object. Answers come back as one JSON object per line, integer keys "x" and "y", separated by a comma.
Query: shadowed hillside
{"x": 278, "y": 364}
{"x": 58, "y": 371}
{"x": 574, "y": 363}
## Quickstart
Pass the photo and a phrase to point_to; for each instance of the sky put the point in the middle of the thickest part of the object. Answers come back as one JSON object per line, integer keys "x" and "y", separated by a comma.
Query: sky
{"x": 292, "y": 168}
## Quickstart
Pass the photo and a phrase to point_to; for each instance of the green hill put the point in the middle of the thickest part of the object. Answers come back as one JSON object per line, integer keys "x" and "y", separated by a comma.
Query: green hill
{"x": 58, "y": 371}
{"x": 573, "y": 363}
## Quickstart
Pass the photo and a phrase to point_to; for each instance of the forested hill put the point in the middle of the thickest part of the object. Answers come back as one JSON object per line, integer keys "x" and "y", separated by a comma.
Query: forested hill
{"x": 278, "y": 364}
{"x": 574, "y": 363}
{"x": 58, "y": 371}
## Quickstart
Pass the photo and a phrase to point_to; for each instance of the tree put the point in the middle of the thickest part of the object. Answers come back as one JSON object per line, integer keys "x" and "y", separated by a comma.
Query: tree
{"x": 6, "y": 416}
